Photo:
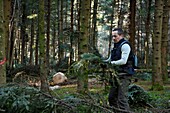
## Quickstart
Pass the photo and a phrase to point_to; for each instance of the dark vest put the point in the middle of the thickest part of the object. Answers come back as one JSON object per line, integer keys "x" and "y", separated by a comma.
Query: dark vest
{"x": 116, "y": 55}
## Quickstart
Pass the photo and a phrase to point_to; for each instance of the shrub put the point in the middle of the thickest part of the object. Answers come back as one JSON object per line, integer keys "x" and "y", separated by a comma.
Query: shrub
{"x": 138, "y": 96}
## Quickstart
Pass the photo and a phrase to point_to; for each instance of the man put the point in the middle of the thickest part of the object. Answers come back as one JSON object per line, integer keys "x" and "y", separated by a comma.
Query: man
{"x": 121, "y": 58}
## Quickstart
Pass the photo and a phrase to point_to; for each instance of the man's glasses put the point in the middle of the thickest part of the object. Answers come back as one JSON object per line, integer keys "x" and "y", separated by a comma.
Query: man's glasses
{"x": 114, "y": 35}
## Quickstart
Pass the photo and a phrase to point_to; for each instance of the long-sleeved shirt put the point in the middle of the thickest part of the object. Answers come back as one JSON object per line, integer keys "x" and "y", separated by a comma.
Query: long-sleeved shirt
{"x": 125, "y": 51}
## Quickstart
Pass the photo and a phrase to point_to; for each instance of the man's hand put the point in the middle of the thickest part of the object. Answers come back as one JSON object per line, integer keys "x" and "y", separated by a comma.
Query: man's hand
{"x": 113, "y": 62}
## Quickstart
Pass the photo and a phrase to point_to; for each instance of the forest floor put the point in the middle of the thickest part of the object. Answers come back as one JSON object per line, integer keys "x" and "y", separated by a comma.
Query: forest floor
{"x": 160, "y": 102}
{"x": 147, "y": 101}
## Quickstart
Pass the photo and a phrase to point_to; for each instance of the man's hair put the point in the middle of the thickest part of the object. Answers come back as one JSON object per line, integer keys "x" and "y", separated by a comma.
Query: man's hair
{"x": 119, "y": 31}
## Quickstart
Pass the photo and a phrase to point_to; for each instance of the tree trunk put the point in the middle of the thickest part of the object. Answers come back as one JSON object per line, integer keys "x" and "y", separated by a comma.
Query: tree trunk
{"x": 111, "y": 27}
{"x": 42, "y": 47}
{"x": 11, "y": 39}
{"x": 147, "y": 27}
{"x": 165, "y": 39}
{"x": 78, "y": 28}
{"x": 132, "y": 30}
{"x": 48, "y": 34}
{"x": 60, "y": 30}
{"x": 157, "y": 82}
{"x": 120, "y": 14}
{"x": 36, "y": 47}
{"x": 6, "y": 15}
{"x": 84, "y": 28}
{"x": 3, "y": 35}
{"x": 94, "y": 23}
{"x": 54, "y": 38}
{"x": 72, "y": 32}
{"x": 32, "y": 41}
{"x": 23, "y": 32}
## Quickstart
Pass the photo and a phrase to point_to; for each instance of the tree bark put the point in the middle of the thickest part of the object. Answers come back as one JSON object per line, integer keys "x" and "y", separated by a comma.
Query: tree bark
{"x": 94, "y": 23}
{"x": 165, "y": 40}
{"x": 60, "y": 30}
{"x": 84, "y": 38}
{"x": 23, "y": 33}
{"x": 48, "y": 34}
{"x": 147, "y": 27}
{"x": 3, "y": 35}
{"x": 72, "y": 32}
{"x": 157, "y": 82}
{"x": 32, "y": 41}
{"x": 6, "y": 18}
{"x": 42, "y": 47}
{"x": 132, "y": 30}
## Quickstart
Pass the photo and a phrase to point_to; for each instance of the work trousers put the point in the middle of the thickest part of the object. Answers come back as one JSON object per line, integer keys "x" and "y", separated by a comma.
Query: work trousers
{"x": 118, "y": 96}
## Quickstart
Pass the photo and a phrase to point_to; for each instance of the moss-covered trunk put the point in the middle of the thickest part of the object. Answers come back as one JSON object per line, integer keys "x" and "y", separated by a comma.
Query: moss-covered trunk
{"x": 84, "y": 29}
{"x": 4, "y": 13}
{"x": 42, "y": 47}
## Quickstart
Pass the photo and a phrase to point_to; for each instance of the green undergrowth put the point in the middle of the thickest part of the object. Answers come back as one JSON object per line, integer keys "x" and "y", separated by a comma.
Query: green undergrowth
{"x": 17, "y": 98}
{"x": 161, "y": 99}
{"x": 144, "y": 99}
